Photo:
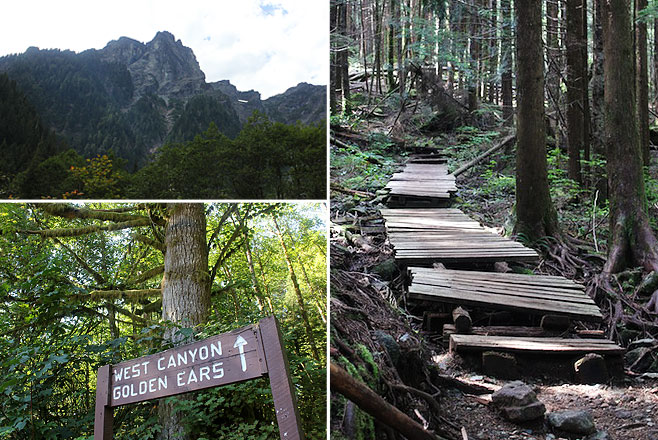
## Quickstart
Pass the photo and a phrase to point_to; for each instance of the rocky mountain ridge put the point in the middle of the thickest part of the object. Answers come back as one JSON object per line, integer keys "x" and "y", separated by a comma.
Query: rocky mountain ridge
{"x": 132, "y": 97}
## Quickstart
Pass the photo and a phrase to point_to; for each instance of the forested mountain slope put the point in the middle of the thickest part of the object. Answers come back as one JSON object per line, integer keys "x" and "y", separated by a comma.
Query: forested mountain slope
{"x": 131, "y": 97}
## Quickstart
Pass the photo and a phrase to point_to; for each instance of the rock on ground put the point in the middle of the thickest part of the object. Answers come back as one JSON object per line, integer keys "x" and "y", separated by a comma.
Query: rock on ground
{"x": 572, "y": 421}
{"x": 518, "y": 402}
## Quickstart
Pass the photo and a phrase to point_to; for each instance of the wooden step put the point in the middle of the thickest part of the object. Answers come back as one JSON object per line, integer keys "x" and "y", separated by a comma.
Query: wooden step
{"x": 423, "y": 236}
{"x": 533, "y": 345}
{"x": 517, "y": 331}
{"x": 422, "y": 180}
{"x": 519, "y": 293}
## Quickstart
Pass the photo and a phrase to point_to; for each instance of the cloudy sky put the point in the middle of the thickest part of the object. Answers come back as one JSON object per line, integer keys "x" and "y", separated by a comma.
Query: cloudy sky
{"x": 264, "y": 45}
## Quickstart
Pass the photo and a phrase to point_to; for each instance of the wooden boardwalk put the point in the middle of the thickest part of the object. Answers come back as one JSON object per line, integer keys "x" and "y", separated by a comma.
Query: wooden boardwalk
{"x": 425, "y": 236}
{"x": 423, "y": 231}
{"x": 529, "y": 294}
{"x": 422, "y": 180}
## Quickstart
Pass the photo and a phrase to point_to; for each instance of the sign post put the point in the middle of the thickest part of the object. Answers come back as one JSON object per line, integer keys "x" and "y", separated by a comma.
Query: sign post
{"x": 243, "y": 354}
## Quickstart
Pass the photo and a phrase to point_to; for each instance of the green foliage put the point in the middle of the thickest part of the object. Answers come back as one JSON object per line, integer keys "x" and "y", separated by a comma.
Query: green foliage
{"x": 100, "y": 177}
{"x": 80, "y": 95}
{"x": 24, "y": 141}
{"x": 53, "y": 335}
{"x": 363, "y": 169}
{"x": 266, "y": 160}
{"x": 201, "y": 111}
{"x": 497, "y": 183}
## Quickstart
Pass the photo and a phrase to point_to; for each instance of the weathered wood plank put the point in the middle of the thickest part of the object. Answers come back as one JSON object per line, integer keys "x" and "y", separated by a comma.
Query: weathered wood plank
{"x": 505, "y": 277}
{"x": 475, "y": 343}
{"x": 512, "y": 302}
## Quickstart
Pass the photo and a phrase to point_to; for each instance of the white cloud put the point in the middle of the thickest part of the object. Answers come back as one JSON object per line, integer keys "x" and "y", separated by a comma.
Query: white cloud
{"x": 265, "y": 45}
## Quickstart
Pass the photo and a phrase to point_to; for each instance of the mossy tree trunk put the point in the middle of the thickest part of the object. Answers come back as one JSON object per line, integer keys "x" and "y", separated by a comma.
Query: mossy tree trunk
{"x": 535, "y": 215}
{"x": 631, "y": 241}
{"x": 185, "y": 289}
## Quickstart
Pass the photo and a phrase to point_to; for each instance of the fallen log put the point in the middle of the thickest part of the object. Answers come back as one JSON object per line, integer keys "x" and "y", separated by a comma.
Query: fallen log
{"x": 376, "y": 406}
{"x": 352, "y": 192}
{"x": 484, "y": 155}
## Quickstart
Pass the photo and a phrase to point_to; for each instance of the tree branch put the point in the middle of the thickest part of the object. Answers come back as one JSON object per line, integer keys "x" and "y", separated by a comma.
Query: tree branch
{"x": 85, "y": 230}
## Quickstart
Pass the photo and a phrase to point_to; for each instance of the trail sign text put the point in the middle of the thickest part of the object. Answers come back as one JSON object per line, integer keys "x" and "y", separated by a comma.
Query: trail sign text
{"x": 219, "y": 360}
{"x": 243, "y": 354}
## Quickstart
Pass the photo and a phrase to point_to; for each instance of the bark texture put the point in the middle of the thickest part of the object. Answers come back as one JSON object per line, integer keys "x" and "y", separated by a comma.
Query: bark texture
{"x": 642, "y": 81}
{"x": 506, "y": 61}
{"x": 535, "y": 215}
{"x": 632, "y": 242}
{"x": 185, "y": 290}
{"x": 575, "y": 83}
{"x": 552, "y": 56}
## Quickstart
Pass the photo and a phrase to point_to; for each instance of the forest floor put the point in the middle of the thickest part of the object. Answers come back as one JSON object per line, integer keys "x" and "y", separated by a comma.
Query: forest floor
{"x": 368, "y": 306}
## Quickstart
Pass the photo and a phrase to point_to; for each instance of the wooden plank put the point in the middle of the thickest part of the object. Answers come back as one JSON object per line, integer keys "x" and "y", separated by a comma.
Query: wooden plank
{"x": 515, "y": 303}
{"x": 283, "y": 392}
{"x": 466, "y": 343}
{"x": 499, "y": 296}
{"x": 474, "y": 253}
{"x": 569, "y": 296}
{"x": 506, "y": 277}
{"x": 104, "y": 415}
{"x": 521, "y": 331}
{"x": 456, "y": 279}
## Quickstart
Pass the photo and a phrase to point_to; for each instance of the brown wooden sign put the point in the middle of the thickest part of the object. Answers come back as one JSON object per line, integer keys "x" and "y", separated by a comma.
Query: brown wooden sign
{"x": 243, "y": 354}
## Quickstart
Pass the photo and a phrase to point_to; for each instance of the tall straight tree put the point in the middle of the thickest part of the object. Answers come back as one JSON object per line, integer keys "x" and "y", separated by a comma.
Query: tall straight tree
{"x": 506, "y": 60}
{"x": 298, "y": 292}
{"x": 185, "y": 289}
{"x": 631, "y": 240}
{"x": 552, "y": 56}
{"x": 642, "y": 81}
{"x": 535, "y": 214}
{"x": 575, "y": 84}
{"x": 474, "y": 49}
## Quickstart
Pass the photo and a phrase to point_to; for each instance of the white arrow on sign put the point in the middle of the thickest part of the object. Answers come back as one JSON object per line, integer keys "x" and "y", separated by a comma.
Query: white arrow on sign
{"x": 240, "y": 342}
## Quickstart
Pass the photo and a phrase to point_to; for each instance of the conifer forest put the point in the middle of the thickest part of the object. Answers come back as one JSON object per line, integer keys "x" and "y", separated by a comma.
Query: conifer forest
{"x": 494, "y": 196}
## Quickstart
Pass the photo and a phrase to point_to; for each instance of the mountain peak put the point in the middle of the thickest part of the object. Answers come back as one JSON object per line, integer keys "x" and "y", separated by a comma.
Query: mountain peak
{"x": 164, "y": 35}
{"x": 162, "y": 66}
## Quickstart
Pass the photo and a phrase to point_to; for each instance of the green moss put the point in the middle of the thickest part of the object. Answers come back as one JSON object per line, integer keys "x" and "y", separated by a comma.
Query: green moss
{"x": 369, "y": 359}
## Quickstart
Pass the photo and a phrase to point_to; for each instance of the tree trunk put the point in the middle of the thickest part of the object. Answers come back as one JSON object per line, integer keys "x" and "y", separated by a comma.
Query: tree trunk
{"x": 575, "y": 82}
{"x": 298, "y": 293}
{"x": 655, "y": 64}
{"x": 343, "y": 57}
{"x": 587, "y": 125}
{"x": 377, "y": 16}
{"x": 552, "y": 57}
{"x": 599, "y": 180}
{"x": 185, "y": 290}
{"x": 493, "y": 52}
{"x": 506, "y": 61}
{"x": 642, "y": 82}
{"x": 632, "y": 242}
{"x": 392, "y": 34}
{"x": 334, "y": 86}
{"x": 535, "y": 215}
{"x": 474, "y": 49}
{"x": 252, "y": 271}
{"x": 375, "y": 405}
